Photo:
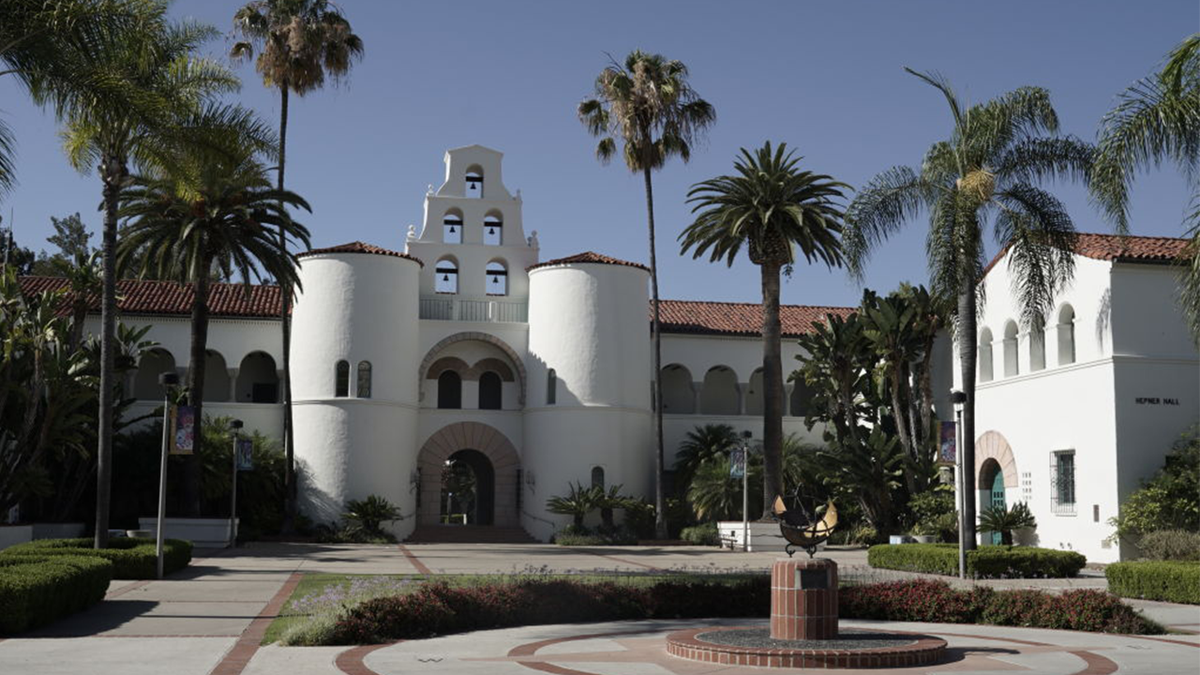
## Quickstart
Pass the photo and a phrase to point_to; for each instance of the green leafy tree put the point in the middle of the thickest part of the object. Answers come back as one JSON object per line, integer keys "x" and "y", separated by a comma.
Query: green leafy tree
{"x": 986, "y": 173}
{"x": 577, "y": 503}
{"x": 837, "y": 362}
{"x": 1168, "y": 501}
{"x": 1005, "y": 520}
{"x": 212, "y": 211}
{"x": 1156, "y": 120}
{"x": 647, "y": 105}
{"x": 299, "y": 43}
{"x": 867, "y": 469}
{"x": 715, "y": 495}
{"x": 704, "y": 443}
{"x": 772, "y": 207}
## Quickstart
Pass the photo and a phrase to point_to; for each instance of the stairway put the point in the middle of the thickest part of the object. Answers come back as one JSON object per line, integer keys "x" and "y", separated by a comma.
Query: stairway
{"x": 469, "y": 534}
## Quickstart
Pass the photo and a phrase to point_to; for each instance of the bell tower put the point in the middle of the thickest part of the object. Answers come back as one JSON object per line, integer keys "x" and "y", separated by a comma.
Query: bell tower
{"x": 472, "y": 240}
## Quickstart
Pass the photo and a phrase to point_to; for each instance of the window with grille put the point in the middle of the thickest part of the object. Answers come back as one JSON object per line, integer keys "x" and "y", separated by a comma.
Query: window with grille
{"x": 342, "y": 379}
{"x": 1062, "y": 482}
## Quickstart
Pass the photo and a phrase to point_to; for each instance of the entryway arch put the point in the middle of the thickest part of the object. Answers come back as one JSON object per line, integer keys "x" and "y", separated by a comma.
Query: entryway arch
{"x": 995, "y": 474}
{"x": 489, "y": 454}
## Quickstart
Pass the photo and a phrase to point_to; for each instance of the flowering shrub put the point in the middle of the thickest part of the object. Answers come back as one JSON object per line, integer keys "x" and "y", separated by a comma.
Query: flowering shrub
{"x": 325, "y": 607}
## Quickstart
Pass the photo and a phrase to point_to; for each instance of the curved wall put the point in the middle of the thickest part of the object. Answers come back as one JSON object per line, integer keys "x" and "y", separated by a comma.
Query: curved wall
{"x": 356, "y": 307}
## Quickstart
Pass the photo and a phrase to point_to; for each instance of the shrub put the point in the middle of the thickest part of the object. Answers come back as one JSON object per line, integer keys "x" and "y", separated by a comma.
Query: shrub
{"x": 132, "y": 558}
{"x": 365, "y": 518}
{"x": 984, "y": 562}
{"x": 1170, "y": 545}
{"x": 1168, "y": 500}
{"x": 704, "y": 534}
{"x": 582, "y": 536}
{"x": 1004, "y": 520}
{"x": 37, "y": 589}
{"x": 1169, "y": 581}
{"x": 936, "y": 601}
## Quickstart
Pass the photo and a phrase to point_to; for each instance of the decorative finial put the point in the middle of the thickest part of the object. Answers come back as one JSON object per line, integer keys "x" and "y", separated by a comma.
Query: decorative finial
{"x": 412, "y": 232}
{"x": 429, "y": 189}
{"x": 518, "y": 197}
{"x": 532, "y": 240}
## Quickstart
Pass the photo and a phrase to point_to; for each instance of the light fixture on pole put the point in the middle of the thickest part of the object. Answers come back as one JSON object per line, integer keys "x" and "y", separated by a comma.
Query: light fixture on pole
{"x": 235, "y": 426}
{"x": 169, "y": 380}
{"x": 958, "y": 398}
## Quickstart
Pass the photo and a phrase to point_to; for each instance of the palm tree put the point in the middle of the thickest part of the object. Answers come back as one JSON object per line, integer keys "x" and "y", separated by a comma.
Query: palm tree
{"x": 1157, "y": 119}
{"x": 213, "y": 213}
{"x": 985, "y": 173}
{"x": 702, "y": 444}
{"x": 299, "y": 43}
{"x": 648, "y": 104}
{"x": 152, "y": 84}
{"x": 772, "y": 207}
{"x": 1004, "y": 520}
{"x": 577, "y": 503}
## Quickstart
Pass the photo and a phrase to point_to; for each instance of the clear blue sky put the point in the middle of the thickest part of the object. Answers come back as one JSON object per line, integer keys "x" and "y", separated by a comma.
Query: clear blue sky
{"x": 824, "y": 77}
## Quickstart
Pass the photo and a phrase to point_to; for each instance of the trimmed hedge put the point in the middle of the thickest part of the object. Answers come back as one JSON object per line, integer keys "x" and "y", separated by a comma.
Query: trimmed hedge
{"x": 984, "y": 562}
{"x": 38, "y": 589}
{"x": 131, "y": 558}
{"x": 1166, "y": 580}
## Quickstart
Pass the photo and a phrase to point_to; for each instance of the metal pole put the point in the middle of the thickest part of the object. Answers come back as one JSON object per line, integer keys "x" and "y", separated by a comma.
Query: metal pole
{"x": 745, "y": 497}
{"x": 234, "y": 425}
{"x": 958, "y": 489}
{"x": 168, "y": 381}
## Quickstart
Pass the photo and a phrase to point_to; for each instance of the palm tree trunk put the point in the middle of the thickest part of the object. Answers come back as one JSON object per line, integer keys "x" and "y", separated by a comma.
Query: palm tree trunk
{"x": 112, "y": 172}
{"x": 899, "y": 415}
{"x": 967, "y": 353}
{"x": 660, "y": 500}
{"x": 772, "y": 387}
{"x": 285, "y": 299}
{"x": 196, "y": 366}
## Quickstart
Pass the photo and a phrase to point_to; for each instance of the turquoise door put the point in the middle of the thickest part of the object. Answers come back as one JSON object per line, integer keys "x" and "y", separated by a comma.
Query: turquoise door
{"x": 998, "y": 499}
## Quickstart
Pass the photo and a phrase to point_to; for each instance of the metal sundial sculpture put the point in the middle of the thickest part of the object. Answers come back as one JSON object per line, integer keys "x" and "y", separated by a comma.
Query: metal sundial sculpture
{"x": 801, "y": 527}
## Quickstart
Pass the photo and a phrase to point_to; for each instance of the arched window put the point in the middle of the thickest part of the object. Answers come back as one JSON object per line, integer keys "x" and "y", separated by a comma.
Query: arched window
{"x": 719, "y": 396}
{"x": 452, "y": 227}
{"x": 493, "y": 229}
{"x": 677, "y": 396}
{"x": 1037, "y": 347}
{"x": 474, "y": 178}
{"x": 216, "y": 377}
{"x": 985, "y": 355}
{"x": 598, "y": 477}
{"x": 257, "y": 380}
{"x": 449, "y": 390}
{"x": 1012, "y": 367}
{"x": 153, "y": 363}
{"x": 445, "y": 276}
{"x": 341, "y": 382}
{"x": 801, "y": 401}
{"x": 1066, "y": 335}
{"x": 754, "y": 393}
{"x": 490, "y": 396}
{"x": 363, "y": 389}
{"x": 497, "y": 278}
{"x": 551, "y": 387}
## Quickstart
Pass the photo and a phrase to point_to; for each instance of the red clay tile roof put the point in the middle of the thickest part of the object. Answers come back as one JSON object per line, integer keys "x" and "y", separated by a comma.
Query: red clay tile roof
{"x": 588, "y": 257}
{"x": 1114, "y": 248}
{"x": 172, "y": 298}
{"x": 738, "y": 318}
{"x": 360, "y": 247}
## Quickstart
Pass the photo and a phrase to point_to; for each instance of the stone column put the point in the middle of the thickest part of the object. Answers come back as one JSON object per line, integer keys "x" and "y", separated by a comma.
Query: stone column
{"x": 804, "y": 599}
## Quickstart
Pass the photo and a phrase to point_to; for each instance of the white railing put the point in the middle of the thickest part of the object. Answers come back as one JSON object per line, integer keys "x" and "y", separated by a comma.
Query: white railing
{"x": 455, "y": 309}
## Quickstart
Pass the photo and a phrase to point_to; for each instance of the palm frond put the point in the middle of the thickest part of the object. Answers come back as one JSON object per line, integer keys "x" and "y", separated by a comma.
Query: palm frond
{"x": 879, "y": 209}
{"x": 1040, "y": 237}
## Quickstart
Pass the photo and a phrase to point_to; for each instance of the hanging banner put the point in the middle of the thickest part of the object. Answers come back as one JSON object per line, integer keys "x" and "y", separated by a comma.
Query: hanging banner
{"x": 183, "y": 442}
{"x": 245, "y": 454}
{"x": 948, "y": 445}
{"x": 737, "y": 463}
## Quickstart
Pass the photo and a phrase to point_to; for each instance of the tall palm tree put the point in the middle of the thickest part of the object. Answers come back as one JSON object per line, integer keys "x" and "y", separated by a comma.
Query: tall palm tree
{"x": 1157, "y": 119}
{"x": 299, "y": 43}
{"x": 210, "y": 214}
{"x": 772, "y": 207}
{"x": 648, "y": 104}
{"x": 152, "y": 83}
{"x": 985, "y": 174}
{"x": 702, "y": 444}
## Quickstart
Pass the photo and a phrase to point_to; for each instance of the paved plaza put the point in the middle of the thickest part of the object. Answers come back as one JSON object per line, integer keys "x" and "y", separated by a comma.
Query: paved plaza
{"x": 210, "y": 618}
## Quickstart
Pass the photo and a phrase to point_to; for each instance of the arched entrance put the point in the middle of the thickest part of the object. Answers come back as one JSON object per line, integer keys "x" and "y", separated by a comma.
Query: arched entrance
{"x": 468, "y": 489}
{"x": 485, "y": 460}
{"x": 995, "y": 474}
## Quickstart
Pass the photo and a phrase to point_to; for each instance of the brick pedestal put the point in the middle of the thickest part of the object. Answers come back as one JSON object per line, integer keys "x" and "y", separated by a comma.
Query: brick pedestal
{"x": 804, "y": 599}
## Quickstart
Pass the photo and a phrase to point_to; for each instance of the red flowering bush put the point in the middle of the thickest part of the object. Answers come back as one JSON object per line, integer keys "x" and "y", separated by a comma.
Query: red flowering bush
{"x": 920, "y": 600}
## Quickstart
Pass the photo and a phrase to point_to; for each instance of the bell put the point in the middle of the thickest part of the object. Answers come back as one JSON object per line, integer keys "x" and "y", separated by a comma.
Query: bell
{"x": 474, "y": 186}
{"x": 452, "y": 230}
{"x": 445, "y": 277}
{"x": 495, "y": 280}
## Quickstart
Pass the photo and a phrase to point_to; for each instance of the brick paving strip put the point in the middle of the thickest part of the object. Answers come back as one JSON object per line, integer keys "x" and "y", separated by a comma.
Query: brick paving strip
{"x": 414, "y": 561}
{"x": 350, "y": 661}
{"x": 125, "y": 589}
{"x": 247, "y": 645}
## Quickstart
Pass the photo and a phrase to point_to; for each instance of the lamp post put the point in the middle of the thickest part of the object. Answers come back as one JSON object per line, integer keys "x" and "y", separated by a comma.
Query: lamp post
{"x": 169, "y": 380}
{"x": 958, "y": 398}
{"x": 746, "y": 490}
{"x": 235, "y": 426}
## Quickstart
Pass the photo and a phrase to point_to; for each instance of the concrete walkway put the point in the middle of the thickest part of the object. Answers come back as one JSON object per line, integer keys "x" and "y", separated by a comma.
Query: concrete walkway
{"x": 210, "y": 618}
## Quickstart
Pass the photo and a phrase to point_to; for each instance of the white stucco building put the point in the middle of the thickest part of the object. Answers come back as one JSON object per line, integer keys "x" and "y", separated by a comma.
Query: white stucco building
{"x": 463, "y": 345}
{"x": 1071, "y": 418}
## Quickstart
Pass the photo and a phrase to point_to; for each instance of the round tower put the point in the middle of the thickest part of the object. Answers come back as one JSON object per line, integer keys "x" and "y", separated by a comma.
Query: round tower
{"x": 354, "y": 379}
{"x": 588, "y": 409}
